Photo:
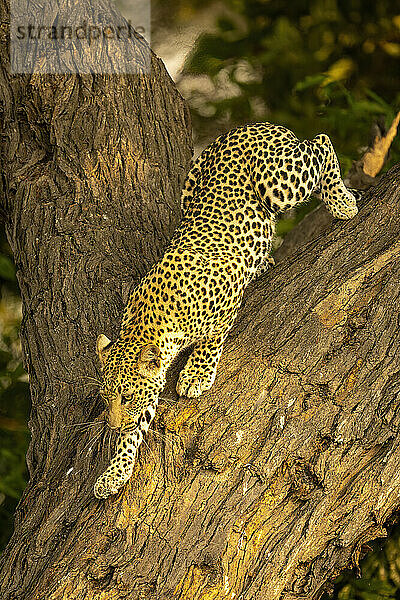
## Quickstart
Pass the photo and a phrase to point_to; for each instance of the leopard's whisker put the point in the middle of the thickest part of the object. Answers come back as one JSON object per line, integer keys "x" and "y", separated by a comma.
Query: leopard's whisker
{"x": 166, "y": 402}
{"x": 160, "y": 435}
{"x": 92, "y": 379}
{"x": 150, "y": 450}
{"x": 90, "y": 423}
{"x": 109, "y": 444}
{"x": 95, "y": 438}
{"x": 103, "y": 442}
{"x": 79, "y": 429}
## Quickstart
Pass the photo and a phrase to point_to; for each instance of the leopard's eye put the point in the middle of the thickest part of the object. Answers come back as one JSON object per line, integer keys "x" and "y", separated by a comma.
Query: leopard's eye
{"x": 126, "y": 398}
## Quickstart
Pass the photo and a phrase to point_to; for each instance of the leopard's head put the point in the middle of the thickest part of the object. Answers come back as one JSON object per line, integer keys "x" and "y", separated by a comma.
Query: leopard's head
{"x": 132, "y": 380}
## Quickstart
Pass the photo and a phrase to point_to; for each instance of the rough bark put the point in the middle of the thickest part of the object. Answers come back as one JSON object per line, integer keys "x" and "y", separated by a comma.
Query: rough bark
{"x": 264, "y": 488}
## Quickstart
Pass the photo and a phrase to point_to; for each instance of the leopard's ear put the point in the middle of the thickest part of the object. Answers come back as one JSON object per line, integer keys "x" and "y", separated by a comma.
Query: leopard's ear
{"x": 103, "y": 347}
{"x": 149, "y": 361}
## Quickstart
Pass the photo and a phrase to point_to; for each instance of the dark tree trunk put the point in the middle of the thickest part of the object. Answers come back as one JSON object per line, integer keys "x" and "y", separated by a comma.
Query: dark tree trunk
{"x": 264, "y": 488}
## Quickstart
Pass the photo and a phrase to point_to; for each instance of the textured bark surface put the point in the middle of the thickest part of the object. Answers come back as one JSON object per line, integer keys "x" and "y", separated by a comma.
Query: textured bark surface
{"x": 267, "y": 486}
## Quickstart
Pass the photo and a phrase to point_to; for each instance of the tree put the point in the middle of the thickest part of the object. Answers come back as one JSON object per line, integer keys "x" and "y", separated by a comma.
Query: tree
{"x": 265, "y": 487}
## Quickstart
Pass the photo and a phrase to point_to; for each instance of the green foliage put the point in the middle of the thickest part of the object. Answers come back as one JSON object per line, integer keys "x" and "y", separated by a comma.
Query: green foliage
{"x": 14, "y": 398}
{"x": 7, "y": 270}
{"x": 284, "y": 225}
{"x": 380, "y": 574}
{"x": 326, "y": 65}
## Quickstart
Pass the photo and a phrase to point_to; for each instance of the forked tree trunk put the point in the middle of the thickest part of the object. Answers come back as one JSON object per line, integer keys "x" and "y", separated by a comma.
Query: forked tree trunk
{"x": 264, "y": 488}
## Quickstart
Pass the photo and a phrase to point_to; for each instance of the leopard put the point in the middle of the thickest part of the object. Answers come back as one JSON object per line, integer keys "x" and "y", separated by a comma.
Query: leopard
{"x": 230, "y": 201}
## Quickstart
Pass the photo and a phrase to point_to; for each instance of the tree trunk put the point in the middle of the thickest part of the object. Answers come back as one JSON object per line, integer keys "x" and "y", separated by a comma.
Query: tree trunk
{"x": 268, "y": 485}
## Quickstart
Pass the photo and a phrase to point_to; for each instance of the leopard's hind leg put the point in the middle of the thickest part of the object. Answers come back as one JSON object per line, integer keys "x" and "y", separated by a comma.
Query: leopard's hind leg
{"x": 339, "y": 200}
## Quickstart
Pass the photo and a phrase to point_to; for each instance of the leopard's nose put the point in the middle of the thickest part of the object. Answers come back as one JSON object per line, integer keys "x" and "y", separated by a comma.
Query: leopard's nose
{"x": 114, "y": 417}
{"x": 114, "y": 420}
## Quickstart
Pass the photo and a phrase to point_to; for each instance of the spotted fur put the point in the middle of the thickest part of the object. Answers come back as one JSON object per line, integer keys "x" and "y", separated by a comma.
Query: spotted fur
{"x": 230, "y": 201}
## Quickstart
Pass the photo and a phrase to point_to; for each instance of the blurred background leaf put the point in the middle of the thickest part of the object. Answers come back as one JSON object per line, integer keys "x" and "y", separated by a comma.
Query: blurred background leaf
{"x": 14, "y": 396}
{"x": 315, "y": 66}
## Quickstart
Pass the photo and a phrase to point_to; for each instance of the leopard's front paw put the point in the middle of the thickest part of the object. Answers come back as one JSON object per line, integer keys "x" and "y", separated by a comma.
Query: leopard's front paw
{"x": 104, "y": 487}
{"x": 110, "y": 483}
{"x": 101, "y": 489}
{"x": 193, "y": 386}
